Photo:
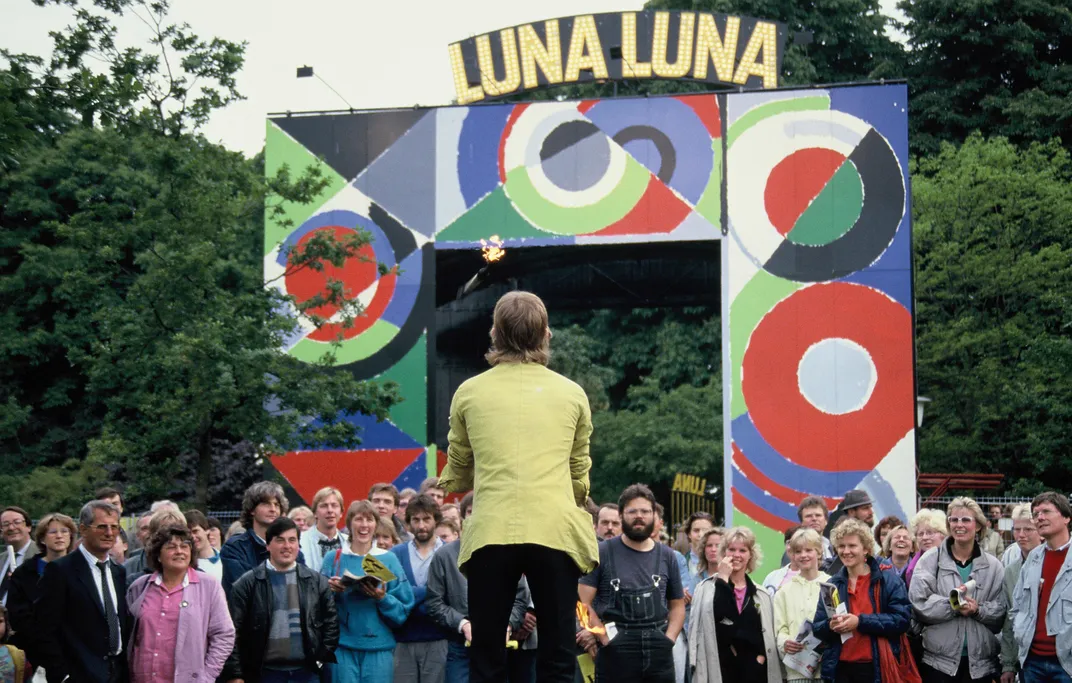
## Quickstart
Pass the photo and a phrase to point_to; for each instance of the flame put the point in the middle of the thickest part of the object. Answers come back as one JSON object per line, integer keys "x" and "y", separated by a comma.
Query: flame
{"x": 492, "y": 249}
{"x": 583, "y": 620}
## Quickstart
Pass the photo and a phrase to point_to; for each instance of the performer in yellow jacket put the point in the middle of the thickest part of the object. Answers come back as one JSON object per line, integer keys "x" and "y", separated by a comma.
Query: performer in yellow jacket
{"x": 519, "y": 439}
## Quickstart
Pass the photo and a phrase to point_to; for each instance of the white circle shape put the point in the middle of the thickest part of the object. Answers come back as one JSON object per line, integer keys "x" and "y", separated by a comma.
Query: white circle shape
{"x": 755, "y": 153}
{"x": 523, "y": 150}
{"x": 837, "y": 376}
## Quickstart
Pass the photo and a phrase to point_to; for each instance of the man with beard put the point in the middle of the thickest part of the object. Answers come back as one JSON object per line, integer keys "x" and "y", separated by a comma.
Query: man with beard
{"x": 608, "y": 522}
{"x": 421, "y": 650}
{"x": 636, "y": 595}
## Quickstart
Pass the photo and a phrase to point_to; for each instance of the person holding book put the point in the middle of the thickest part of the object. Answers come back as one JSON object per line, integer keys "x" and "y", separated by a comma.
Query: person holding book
{"x": 876, "y": 608}
{"x": 731, "y": 634}
{"x": 794, "y": 603}
{"x": 960, "y": 641}
{"x": 369, "y": 607}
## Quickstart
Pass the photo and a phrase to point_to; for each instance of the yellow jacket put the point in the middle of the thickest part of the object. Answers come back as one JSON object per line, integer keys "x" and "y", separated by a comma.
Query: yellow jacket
{"x": 519, "y": 439}
{"x": 795, "y": 603}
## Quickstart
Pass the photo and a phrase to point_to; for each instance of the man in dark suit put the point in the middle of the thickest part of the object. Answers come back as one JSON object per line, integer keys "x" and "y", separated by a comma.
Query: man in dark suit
{"x": 82, "y": 611}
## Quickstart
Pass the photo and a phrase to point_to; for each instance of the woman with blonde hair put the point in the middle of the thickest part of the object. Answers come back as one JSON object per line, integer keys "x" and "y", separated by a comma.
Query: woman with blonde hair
{"x": 731, "y": 635}
{"x": 878, "y": 608}
{"x": 795, "y": 602}
{"x": 898, "y": 547}
{"x": 929, "y": 528}
{"x": 960, "y": 642}
{"x": 368, "y": 612}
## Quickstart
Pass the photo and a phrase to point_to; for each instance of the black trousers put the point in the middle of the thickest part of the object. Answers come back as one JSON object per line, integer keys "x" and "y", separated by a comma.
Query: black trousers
{"x": 493, "y": 572}
{"x": 636, "y": 656}
{"x": 855, "y": 672}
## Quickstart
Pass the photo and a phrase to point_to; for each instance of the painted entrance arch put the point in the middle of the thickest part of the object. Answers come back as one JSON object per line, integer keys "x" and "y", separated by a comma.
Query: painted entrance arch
{"x": 806, "y": 189}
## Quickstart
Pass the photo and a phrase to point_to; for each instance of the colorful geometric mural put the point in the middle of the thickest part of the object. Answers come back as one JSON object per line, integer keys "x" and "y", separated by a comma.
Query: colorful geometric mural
{"x": 817, "y": 303}
{"x": 588, "y": 172}
{"x": 809, "y": 187}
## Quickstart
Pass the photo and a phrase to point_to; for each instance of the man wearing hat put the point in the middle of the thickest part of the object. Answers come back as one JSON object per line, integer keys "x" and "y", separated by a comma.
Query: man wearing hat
{"x": 855, "y": 505}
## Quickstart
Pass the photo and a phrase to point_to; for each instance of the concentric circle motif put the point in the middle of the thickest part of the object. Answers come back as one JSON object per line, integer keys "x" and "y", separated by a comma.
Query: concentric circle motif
{"x": 671, "y": 137}
{"x": 565, "y": 175}
{"x": 388, "y": 299}
{"x": 814, "y": 195}
{"x": 825, "y": 377}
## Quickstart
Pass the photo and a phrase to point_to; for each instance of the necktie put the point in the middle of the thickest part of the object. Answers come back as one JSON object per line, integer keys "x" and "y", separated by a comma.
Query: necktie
{"x": 327, "y": 545}
{"x": 110, "y": 614}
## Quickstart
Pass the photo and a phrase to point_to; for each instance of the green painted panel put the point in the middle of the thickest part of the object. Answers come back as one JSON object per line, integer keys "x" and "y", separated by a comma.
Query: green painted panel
{"x": 364, "y": 345}
{"x": 579, "y": 220}
{"x": 755, "y": 301}
{"x": 833, "y": 212}
{"x": 411, "y": 375}
{"x": 280, "y": 149}
{"x": 492, "y": 215}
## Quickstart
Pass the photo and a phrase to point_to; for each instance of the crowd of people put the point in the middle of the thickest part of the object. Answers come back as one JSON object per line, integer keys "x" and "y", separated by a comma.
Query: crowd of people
{"x": 378, "y": 590}
{"x": 280, "y": 597}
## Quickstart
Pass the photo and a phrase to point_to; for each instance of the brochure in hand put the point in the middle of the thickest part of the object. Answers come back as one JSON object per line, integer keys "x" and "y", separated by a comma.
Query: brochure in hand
{"x": 807, "y": 660}
{"x": 376, "y": 572}
{"x": 833, "y": 604}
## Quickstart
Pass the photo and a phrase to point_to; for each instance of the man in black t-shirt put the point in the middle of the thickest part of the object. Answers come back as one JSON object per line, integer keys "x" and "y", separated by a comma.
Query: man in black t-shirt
{"x": 636, "y": 595}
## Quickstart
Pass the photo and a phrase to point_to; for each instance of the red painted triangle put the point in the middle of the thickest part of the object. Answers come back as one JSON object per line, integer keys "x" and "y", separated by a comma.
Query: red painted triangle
{"x": 659, "y": 210}
{"x": 352, "y": 472}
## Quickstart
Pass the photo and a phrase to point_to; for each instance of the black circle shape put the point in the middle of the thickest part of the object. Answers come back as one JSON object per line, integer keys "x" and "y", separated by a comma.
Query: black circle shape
{"x": 870, "y": 235}
{"x": 667, "y": 155}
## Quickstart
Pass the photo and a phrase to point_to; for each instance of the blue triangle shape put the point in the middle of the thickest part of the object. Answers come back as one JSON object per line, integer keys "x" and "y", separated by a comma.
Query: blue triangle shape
{"x": 413, "y": 475}
{"x": 402, "y": 179}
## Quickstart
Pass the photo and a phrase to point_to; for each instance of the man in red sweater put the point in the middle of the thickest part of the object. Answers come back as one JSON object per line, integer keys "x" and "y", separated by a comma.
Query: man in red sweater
{"x": 1042, "y": 600}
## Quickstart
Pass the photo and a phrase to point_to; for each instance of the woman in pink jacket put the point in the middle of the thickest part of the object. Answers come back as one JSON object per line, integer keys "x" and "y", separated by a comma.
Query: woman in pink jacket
{"x": 182, "y": 631}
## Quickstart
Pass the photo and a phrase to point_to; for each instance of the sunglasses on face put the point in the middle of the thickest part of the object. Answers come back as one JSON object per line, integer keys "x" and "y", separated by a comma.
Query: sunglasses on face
{"x": 961, "y": 520}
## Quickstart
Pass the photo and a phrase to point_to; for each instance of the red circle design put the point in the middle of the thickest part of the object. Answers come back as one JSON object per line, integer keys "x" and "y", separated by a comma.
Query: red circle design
{"x": 795, "y": 181}
{"x": 794, "y": 427}
{"x": 359, "y": 272}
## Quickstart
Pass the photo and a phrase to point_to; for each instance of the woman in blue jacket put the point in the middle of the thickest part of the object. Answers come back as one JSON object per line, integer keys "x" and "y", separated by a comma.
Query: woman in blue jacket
{"x": 366, "y": 615}
{"x": 857, "y": 659}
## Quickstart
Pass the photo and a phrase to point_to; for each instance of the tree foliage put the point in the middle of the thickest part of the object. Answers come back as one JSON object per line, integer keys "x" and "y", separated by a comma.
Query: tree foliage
{"x": 655, "y": 385}
{"x": 140, "y": 340}
{"x": 1002, "y": 68}
{"x": 994, "y": 316}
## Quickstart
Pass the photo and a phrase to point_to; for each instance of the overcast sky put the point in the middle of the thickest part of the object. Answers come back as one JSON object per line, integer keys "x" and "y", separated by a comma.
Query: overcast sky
{"x": 376, "y": 54}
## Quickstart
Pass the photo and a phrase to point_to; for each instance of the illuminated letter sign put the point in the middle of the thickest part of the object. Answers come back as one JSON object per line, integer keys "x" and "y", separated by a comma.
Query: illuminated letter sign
{"x": 699, "y": 46}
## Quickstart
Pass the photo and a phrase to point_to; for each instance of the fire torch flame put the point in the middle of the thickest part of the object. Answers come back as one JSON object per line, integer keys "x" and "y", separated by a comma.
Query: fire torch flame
{"x": 492, "y": 249}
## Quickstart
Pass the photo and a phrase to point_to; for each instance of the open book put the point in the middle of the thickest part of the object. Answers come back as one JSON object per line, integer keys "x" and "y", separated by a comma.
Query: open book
{"x": 376, "y": 572}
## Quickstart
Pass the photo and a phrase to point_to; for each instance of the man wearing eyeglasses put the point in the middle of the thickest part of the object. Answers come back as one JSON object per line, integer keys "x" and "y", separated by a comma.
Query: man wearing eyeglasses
{"x": 15, "y": 525}
{"x": 1042, "y": 600}
{"x": 82, "y": 612}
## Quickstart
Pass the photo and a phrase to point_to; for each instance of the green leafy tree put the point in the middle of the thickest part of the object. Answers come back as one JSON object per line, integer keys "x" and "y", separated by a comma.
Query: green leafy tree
{"x": 1003, "y": 68}
{"x": 994, "y": 310}
{"x": 654, "y": 382}
{"x": 140, "y": 342}
{"x": 849, "y": 41}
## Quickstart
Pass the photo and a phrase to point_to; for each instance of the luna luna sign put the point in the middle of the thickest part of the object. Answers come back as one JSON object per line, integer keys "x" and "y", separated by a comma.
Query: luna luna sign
{"x": 712, "y": 48}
